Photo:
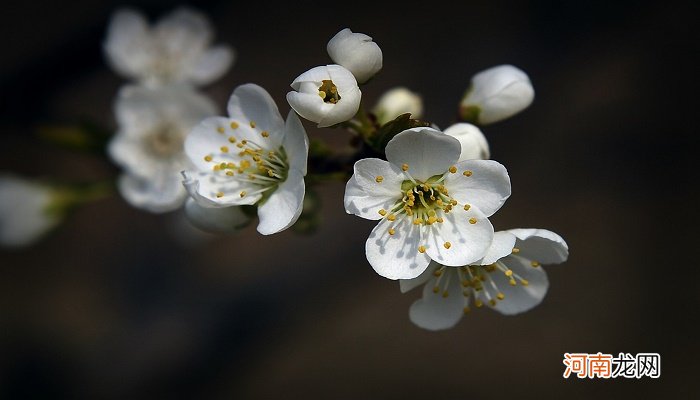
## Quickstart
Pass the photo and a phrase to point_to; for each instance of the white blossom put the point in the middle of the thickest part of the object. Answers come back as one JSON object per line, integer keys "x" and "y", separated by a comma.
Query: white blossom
{"x": 356, "y": 52}
{"x": 153, "y": 124}
{"x": 430, "y": 206}
{"x": 216, "y": 220}
{"x": 398, "y": 101}
{"x": 251, "y": 157}
{"x": 496, "y": 94}
{"x": 176, "y": 49}
{"x": 509, "y": 279}
{"x": 327, "y": 95}
{"x": 25, "y": 211}
{"x": 474, "y": 144}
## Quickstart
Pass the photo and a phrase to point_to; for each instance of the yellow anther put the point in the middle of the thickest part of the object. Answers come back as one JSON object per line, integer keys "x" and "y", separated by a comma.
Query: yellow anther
{"x": 221, "y": 129}
{"x": 252, "y": 124}
{"x": 224, "y": 149}
{"x": 217, "y": 167}
{"x": 490, "y": 267}
{"x": 234, "y": 125}
{"x": 467, "y": 207}
{"x": 512, "y": 282}
{"x": 222, "y": 165}
{"x": 516, "y": 250}
{"x": 322, "y": 94}
{"x": 392, "y": 231}
{"x": 391, "y": 217}
{"x": 508, "y": 273}
{"x": 243, "y": 193}
{"x": 500, "y": 296}
{"x": 436, "y": 289}
{"x": 417, "y": 221}
{"x": 453, "y": 169}
{"x": 445, "y": 294}
{"x": 232, "y": 139}
{"x": 437, "y": 272}
{"x": 478, "y": 303}
{"x": 524, "y": 282}
{"x": 265, "y": 134}
{"x": 379, "y": 179}
{"x": 208, "y": 158}
{"x": 432, "y": 220}
{"x": 467, "y": 173}
{"x": 244, "y": 142}
{"x": 472, "y": 220}
{"x": 466, "y": 310}
{"x": 382, "y": 212}
{"x": 492, "y": 302}
{"x": 421, "y": 249}
{"x": 231, "y": 165}
{"x": 404, "y": 167}
{"x": 440, "y": 220}
{"x": 535, "y": 264}
{"x": 229, "y": 173}
{"x": 220, "y": 194}
{"x": 447, "y": 245}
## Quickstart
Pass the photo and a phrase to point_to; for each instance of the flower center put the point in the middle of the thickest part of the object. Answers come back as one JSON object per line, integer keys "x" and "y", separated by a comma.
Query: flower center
{"x": 422, "y": 200}
{"x": 165, "y": 141}
{"x": 329, "y": 92}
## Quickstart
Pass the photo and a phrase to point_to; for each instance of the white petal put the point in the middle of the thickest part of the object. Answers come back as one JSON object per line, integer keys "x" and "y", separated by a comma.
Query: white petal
{"x": 474, "y": 144}
{"x": 250, "y": 102}
{"x": 24, "y": 207}
{"x": 356, "y": 52}
{"x": 127, "y": 37}
{"x": 343, "y": 110}
{"x": 136, "y": 108}
{"x": 309, "y": 106}
{"x": 487, "y": 186}
{"x": 184, "y": 32}
{"x": 435, "y": 312}
{"x": 398, "y": 101}
{"x": 409, "y": 284}
{"x": 426, "y": 151}
{"x": 296, "y": 143}
{"x": 284, "y": 206}
{"x": 215, "y": 220}
{"x": 205, "y": 188}
{"x": 396, "y": 256}
{"x": 468, "y": 242}
{"x": 499, "y": 92}
{"x": 364, "y": 196}
{"x": 520, "y": 298}
{"x": 541, "y": 245}
{"x": 502, "y": 245}
{"x": 161, "y": 193}
{"x": 316, "y": 75}
{"x": 211, "y": 65}
{"x": 208, "y": 138}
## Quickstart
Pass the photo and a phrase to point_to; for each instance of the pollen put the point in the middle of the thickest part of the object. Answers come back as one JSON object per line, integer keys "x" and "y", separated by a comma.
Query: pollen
{"x": 512, "y": 282}
{"x": 417, "y": 221}
{"x": 500, "y": 296}
{"x": 220, "y": 194}
{"x": 466, "y": 310}
{"x": 453, "y": 169}
{"x": 252, "y": 124}
{"x": 229, "y": 173}
{"x": 208, "y": 158}
{"x": 224, "y": 149}
{"x": 404, "y": 167}
{"x": 391, "y": 217}
{"x": 234, "y": 125}
{"x": 472, "y": 220}
{"x": 243, "y": 193}
{"x": 508, "y": 272}
{"x": 392, "y": 231}
{"x": 382, "y": 212}
{"x": 516, "y": 250}
{"x": 436, "y": 289}
{"x": 535, "y": 264}
{"x": 221, "y": 129}
{"x": 232, "y": 139}
{"x": 492, "y": 302}
{"x": 379, "y": 179}
{"x": 524, "y": 282}
{"x": 421, "y": 249}
{"x": 467, "y": 173}
{"x": 445, "y": 294}
{"x": 322, "y": 94}
{"x": 467, "y": 207}
{"x": 447, "y": 245}
{"x": 265, "y": 134}
{"x": 479, "y": 303}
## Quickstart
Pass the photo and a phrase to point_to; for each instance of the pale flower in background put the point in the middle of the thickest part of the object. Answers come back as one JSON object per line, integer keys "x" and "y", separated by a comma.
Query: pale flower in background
{"x": 430, "y": 206}
{"x": 25, "y": 211}
{"x": 251, "y": 157}
{"x": 474, "y": 144}
{"x": 327, "y": 95}
{"x": 509, "y": 279}
{"x": 356, "y": 52}
{"x": 398, "y": 101}
{"x": 496, "y": 94}
{"x": 152, "y": 126}
{"x": 177, "y": 49}
{"x": 216, "y": 220}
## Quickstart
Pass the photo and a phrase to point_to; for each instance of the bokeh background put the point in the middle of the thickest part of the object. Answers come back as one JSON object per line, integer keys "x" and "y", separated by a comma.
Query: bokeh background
{"x": 118, "y": 304}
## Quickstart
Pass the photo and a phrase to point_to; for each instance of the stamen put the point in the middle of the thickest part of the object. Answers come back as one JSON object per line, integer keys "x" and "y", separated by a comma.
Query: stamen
{"x": 467, "y": 173}
{"x": 234, "y": 125}
{"x": 472, "y": 220}
{"x": 379, "y": 179}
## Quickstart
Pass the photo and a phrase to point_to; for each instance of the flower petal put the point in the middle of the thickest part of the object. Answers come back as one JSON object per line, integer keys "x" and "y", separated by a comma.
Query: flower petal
{"x": 204, "y": 144}
{"x": 205, "y": 188}
{"x": 364, "y": 196}
{"x": 436, "y": 312}
{"x": 284, "y": 206}
{"x": 254, "y": 106}
{"x": 541, "y": 245}
{"x": 426, "y": 151}
{"x": 520, "y": 298}
{"x": 158, "y": 194}
{"x": 468, "y": 242}
{"x": 481, "y": 183}
{"x": 211, "y": 65}
{"x": 296, "y": 143}
{"x": 126, "y": 37}
{"x": 309, "y": 106}
{"x": 215, "y": 220}
{"x": 396, "y": 256}
{"x": 501, "y": 246}
{"x": 409, "y": 284}
{"x": 183, "y": 32}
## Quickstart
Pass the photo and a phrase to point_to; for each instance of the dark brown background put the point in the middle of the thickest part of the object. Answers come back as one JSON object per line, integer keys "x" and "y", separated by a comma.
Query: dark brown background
{"x": 114, "y": 304}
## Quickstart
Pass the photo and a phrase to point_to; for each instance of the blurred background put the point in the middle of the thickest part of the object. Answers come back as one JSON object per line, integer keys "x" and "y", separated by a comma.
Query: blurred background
{"x": 115, "y": 303}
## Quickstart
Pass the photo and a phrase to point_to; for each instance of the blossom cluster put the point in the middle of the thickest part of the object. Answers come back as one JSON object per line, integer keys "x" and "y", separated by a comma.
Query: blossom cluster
{"x": 431, "y": 191}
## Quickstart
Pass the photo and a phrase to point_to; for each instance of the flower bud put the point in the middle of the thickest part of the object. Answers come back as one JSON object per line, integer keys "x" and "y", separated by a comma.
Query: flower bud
{"x": 474, "y": 144}
{"x": 395, "y": 102}
{"x": 25, "y": 211}
{"x": 356, "y": 52}
{"x": 327, "y": 95}
{"x": 495, "y": 94}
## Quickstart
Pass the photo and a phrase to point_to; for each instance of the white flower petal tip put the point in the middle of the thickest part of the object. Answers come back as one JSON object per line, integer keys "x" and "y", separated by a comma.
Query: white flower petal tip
{"x": 251, "y": 157}
{"x": 25, "y": 214}
{"x": 398, "y": 101}
{"x": 429, "y": 206}
{"x": 474, "y": 144}
{"x": 508, "y": 279}
{"x": 327, "y": 95}
{"x": 496, "y": 94}
{"x": 356, "y": 52}
{"x": 153, "y": 124}
{"x": 176, "y": 49}
{"x": 216, "y": 220}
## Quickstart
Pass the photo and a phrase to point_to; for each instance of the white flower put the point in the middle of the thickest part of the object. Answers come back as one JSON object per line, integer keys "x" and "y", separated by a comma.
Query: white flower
{"x": 508, "y": 278}
{"x": 25, "y": 211}
{"x": 430, "y": 206}
{"x": 395, "y": 102}
{"x": 356, "y": 52}
{"x": 153, "y": 124}
{"x": 215, "y": 220}
{"x": 474, "y": 144}
{"x": 327, "y": 95}
{"x": 251, "y": 157}
{"x": 176, "y": 49}
{"x": 495, "y": 94}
